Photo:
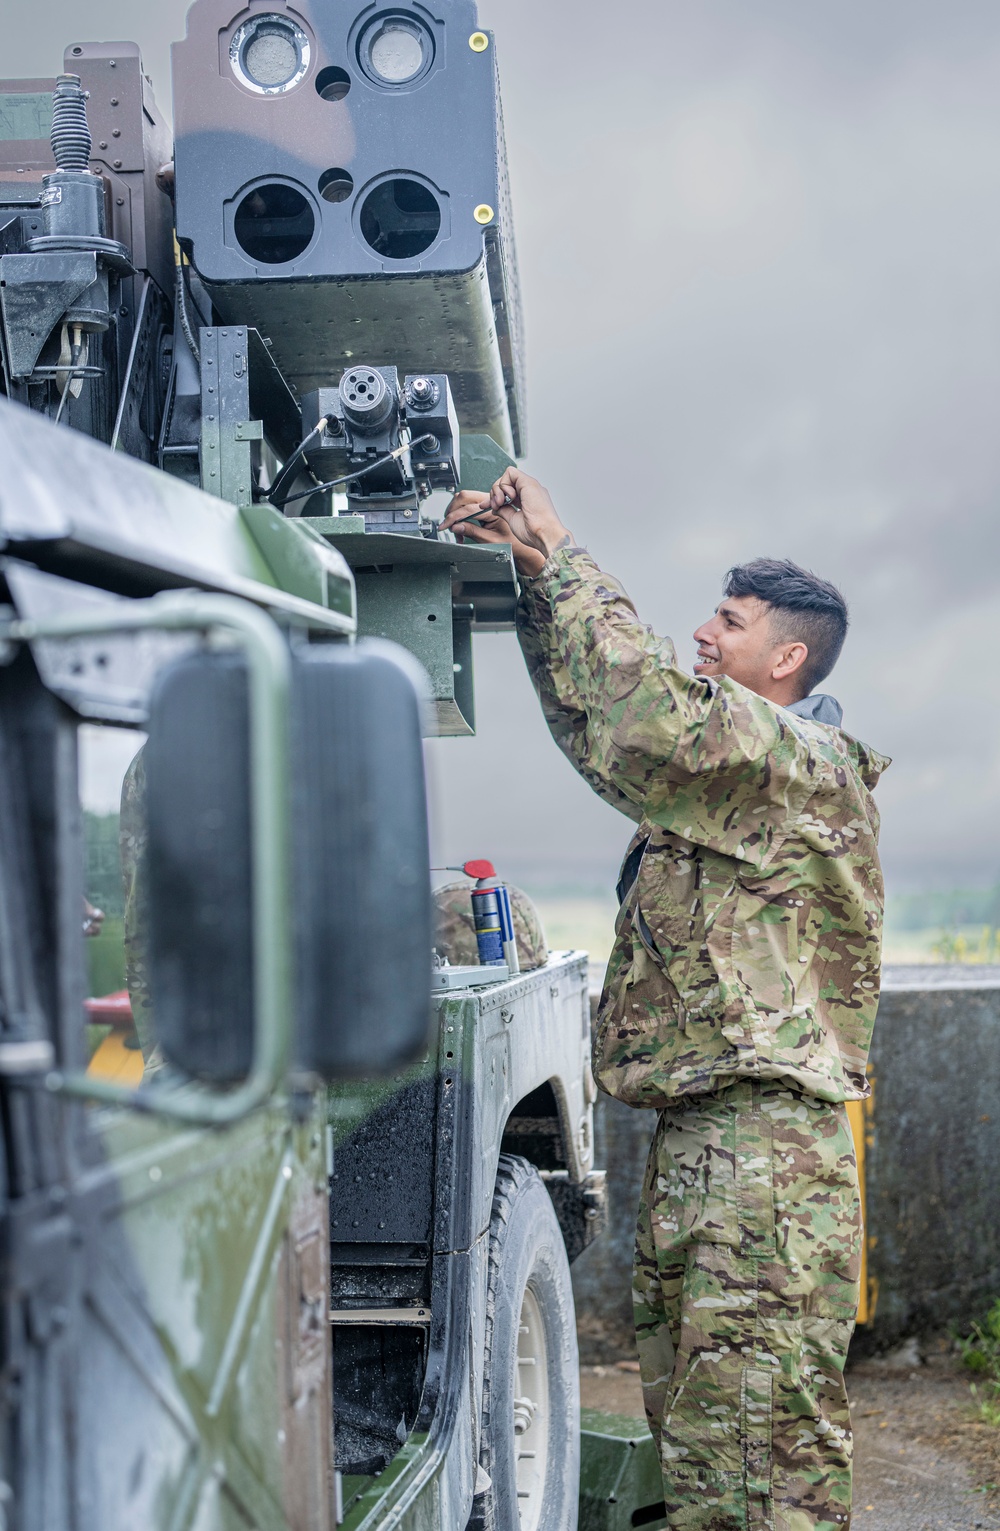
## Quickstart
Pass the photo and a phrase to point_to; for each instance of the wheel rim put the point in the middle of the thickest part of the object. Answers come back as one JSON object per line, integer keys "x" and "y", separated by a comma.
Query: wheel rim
{"x": 531, "y": 1412}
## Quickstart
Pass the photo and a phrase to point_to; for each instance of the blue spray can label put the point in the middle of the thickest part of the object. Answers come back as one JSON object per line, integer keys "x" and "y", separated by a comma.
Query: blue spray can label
{"x": 489, "y": 925}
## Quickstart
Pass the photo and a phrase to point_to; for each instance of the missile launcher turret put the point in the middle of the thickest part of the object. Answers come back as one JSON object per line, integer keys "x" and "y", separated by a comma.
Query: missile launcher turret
{"x": 341, "y": 186}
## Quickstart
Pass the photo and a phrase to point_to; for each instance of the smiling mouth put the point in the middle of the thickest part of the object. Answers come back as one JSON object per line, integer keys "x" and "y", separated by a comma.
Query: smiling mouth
{"x": 705, "y": 659}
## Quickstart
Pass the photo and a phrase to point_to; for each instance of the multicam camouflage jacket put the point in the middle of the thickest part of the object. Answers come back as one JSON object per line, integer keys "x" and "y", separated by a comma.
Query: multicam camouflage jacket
{"x": 749, "y": 934}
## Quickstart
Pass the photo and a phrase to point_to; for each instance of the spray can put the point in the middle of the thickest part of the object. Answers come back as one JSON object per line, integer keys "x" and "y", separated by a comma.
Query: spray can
{"x": 493, "y": 919}
{"x": 489, "y": 926}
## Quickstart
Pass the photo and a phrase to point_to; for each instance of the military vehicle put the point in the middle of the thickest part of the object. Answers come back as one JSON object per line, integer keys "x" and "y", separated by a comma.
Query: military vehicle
{"x": 304, "y": 1259}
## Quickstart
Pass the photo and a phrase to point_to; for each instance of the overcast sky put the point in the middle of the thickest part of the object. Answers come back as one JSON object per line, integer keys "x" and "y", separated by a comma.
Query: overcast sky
{"x": 760, "y": 256}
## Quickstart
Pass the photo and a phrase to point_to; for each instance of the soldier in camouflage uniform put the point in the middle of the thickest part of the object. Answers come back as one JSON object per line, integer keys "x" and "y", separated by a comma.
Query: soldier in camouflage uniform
{"x": 739, "y": 1003}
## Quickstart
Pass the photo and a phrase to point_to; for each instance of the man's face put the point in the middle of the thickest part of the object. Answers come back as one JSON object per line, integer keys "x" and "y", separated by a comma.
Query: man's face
{"x": 739, "y": 642}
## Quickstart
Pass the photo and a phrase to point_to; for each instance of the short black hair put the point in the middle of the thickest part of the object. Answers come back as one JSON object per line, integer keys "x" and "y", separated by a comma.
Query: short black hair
{"x": 805, "y": 609}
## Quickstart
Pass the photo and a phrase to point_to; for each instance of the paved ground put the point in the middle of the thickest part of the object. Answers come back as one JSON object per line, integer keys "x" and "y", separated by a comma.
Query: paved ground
{"x": 924, "y": 1461}
{"x": 922, "y": 1458}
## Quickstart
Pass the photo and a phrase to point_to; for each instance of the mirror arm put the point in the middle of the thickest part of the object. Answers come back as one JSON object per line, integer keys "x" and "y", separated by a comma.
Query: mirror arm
{"x": 269, "y": 665}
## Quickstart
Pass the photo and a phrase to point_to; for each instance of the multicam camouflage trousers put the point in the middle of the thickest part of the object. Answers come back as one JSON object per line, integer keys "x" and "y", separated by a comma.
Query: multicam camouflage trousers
{"x": 748, "y": 1255}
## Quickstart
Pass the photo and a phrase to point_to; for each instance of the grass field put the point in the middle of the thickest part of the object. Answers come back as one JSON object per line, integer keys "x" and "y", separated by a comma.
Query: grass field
{"x": 588, "y": 922}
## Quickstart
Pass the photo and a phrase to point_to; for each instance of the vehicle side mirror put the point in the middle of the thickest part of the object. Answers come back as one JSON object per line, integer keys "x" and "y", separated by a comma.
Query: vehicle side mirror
{"x": 360, "y": 871}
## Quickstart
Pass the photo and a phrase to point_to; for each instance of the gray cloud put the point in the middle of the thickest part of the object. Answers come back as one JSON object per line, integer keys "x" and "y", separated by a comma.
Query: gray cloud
{"x": 759, "y": 248}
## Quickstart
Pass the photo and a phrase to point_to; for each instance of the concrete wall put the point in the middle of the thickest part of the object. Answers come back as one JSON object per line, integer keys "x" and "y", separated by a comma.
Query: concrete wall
{"x": 932, "y": 1167}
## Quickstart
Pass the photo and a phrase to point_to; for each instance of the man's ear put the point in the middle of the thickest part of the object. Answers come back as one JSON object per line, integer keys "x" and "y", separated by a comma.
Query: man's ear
{"x": 789, "y": 658}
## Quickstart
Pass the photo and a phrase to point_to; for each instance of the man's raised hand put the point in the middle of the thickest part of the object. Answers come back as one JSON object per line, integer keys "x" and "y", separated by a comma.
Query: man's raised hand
{"x": 488, "y": 528}
{"x": 528, "y": 510}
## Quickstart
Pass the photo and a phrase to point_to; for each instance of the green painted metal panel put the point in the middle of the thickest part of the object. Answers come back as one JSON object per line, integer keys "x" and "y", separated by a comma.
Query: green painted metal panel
{"x": 152, "y": 530}
{"x": 300, "y": 561}
{"x": 620, "y": 1482}
{"x": 412, "y": 605}
{"x": 198, "y": 1300}
{"x": 483, "y": 462}
{"x": 430, "y": 597}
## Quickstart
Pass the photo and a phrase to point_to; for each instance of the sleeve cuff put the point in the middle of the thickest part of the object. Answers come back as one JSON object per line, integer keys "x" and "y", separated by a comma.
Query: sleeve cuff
{"x": 551, "y": 565}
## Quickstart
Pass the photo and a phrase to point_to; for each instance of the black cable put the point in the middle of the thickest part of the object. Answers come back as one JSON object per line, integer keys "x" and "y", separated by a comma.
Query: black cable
{"x": 180, "y": 293}
{"x": 348, "y": 478}
{"x": 296, "y": 457}
{"x": 460, "y": 522}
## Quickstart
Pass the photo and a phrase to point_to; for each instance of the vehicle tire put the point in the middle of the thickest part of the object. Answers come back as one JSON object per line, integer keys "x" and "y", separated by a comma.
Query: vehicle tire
{"x": 530, "y": 1427}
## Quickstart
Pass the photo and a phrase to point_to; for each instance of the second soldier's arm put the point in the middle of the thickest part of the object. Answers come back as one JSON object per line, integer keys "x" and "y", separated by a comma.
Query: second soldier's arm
{"x": 562, "y": 708}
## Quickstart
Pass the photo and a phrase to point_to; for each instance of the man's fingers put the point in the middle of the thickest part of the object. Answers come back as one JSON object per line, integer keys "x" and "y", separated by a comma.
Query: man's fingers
{"x": 469, "y": 531}
{"x": 509, "y": 482}
{"x": 466, "y": 499}
{"x": 522, "y": 492}
{"x": 484, "y": 519}
{"x": 505, "y": 490}
{"x": 464, "y": 505}
{"x": 473, "y": 520}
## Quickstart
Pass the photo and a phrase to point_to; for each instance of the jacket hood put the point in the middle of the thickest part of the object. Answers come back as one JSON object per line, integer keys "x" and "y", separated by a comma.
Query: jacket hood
{"x": 820, "y": 708}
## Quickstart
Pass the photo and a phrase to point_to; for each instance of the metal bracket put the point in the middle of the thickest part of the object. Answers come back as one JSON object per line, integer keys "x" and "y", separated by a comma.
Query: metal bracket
{"x": 367, "y": 1317}
{"x": 227, "y": 432}
{"x": 35, "y": 292}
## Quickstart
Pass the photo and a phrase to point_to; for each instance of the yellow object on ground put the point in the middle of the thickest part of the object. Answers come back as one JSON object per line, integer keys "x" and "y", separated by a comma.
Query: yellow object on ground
{"x": 116, "y": 1060}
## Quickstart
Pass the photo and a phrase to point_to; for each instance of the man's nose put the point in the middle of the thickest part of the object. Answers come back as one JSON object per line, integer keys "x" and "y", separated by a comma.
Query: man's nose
{"x": 704, "y": 633}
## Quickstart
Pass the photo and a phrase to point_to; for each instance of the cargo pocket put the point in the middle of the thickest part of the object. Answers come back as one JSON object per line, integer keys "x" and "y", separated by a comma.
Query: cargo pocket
{"x": 717, "y": 1435}
{"x": 716, "y": 1172}
{"x": 702, "y": 1423}
{"x": 695, "y": 1195}
{"x": 817, "y": 1210}
{"x": 637, "y": 1037}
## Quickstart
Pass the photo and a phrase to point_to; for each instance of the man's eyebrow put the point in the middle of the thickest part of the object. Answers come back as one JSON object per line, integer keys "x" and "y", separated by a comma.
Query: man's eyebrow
{"x": 722, "y": 610}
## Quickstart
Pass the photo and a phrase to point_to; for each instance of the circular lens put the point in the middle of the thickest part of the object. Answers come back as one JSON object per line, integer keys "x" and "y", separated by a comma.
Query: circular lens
{"x": 333, "y": 84}
{"x": 365, "y": 397}
{"x": 274, "y": 224}
{"x": 269, "y": 54}
{"x": 336, "y": 185}
{"x": 271, "y": 58}
{"x": 396, "y": 50}
{"x": 400, "y": 219}
{"x": 396, "y": 54}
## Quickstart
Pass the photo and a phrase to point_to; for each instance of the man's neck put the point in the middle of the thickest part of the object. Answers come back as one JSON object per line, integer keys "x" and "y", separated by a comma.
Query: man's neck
{"x": 782, "y": 694}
